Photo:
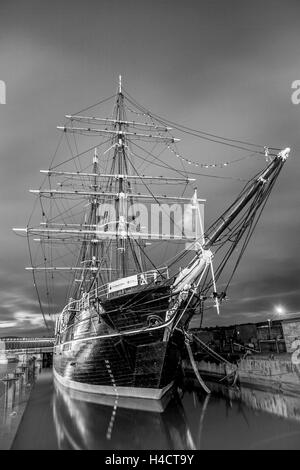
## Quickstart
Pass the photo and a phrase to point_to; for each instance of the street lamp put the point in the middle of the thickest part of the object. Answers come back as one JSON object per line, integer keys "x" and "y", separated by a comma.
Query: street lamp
{"x": 269, "y": 322}
{"x": 279, "y": 309}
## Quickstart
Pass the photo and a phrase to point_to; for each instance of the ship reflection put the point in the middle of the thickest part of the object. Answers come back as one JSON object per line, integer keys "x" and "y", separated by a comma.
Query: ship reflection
{"x": 86, "y": 421}
{"x": 195, "y": 421}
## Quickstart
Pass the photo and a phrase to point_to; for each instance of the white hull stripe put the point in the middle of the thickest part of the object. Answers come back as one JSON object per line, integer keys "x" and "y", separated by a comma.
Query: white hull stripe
{"x": 134, "y": 392}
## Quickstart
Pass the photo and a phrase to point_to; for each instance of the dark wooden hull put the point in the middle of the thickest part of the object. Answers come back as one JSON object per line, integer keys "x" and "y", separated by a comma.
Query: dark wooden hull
{"x": 97, "y": 356}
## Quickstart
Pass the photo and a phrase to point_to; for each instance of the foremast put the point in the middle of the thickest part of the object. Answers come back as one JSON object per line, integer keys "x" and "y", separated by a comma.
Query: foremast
{"x": 120, "y": 189}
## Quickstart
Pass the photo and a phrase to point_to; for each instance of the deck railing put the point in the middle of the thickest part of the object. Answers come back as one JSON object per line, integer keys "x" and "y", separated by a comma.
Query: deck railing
{"x": 147, "y": 278}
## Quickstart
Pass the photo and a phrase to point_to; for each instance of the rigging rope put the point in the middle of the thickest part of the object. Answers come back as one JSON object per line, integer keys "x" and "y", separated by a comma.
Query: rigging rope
{"x": 198, "y": 133}
{"x": 234, "y": 233}
{"x": 36, "y": 288}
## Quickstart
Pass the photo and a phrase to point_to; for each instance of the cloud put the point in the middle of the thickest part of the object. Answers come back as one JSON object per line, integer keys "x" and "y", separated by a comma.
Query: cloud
{"x": 8, "y": 324}
{"x": 28, "y": 318}
{"x": 24, "y": 323}
{"x": 20, "y": 313}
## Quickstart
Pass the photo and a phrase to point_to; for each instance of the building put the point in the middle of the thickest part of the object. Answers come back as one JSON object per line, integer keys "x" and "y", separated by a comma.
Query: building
{"x": 17, "y": 348}
{"x": 274, "y": 336}
{"x": 291, "y": 333}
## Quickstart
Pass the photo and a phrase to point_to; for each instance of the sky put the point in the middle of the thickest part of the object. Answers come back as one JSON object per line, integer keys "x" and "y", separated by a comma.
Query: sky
{"x": 223, "y": 67}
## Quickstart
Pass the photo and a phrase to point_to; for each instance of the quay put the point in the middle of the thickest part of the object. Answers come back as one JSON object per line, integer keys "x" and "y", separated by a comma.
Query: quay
{"x": 276, "y": 372}
{"x": 37, "y": 429}
{"x": 264, "y": 355}
{"x": 21, "y": 360}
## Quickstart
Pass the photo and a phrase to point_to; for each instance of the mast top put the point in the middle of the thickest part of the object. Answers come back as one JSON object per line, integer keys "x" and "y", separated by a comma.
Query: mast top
{"x": 120, "y": 84}
{"x": 95, "y": 159}
{"x": 284, "y": 153}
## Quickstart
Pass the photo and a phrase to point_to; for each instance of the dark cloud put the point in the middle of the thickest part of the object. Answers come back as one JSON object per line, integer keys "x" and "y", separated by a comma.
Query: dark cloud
{"x": 225, "y": 67}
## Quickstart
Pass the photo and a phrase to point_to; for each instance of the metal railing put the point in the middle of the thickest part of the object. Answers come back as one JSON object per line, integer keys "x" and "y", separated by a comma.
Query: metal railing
{"x": 150, "y": 277}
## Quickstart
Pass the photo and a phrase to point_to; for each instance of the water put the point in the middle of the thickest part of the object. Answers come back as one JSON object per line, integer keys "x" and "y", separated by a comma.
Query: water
{"x": 227, "y": 419}
{"x": 244, "y": 419}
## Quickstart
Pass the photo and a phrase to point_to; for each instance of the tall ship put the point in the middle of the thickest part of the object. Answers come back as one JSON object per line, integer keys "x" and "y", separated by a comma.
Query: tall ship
{"x": 125, "y": 246}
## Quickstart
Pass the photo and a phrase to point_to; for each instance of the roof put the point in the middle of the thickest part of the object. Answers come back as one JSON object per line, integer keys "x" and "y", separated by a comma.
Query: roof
{"x": 291, "y": 319}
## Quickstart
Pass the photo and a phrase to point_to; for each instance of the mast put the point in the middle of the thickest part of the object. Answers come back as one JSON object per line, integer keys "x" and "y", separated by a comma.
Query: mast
{"x": 120, "y": 84}
{"x": 111, "y": 244}
{"x": 94, "y": 248}
{"x": 121, "y": 211}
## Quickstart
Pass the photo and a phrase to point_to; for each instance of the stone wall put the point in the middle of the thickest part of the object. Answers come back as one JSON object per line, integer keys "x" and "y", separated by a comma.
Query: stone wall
{"x": 279, "y": 373}
{"x": 291, "y": 332}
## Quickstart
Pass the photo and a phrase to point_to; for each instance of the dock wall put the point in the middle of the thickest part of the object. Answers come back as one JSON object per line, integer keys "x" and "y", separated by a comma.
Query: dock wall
{"x": 279, "y": 373}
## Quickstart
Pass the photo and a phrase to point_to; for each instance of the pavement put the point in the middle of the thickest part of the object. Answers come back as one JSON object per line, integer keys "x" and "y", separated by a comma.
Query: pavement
{"x": 36, "y": 430}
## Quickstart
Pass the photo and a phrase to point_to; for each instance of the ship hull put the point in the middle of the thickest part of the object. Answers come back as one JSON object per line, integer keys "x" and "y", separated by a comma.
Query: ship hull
{"x": 136, "y": 367}
{"x": 120, "y": 353}
{"x": 126, "y": 392}
{"x": 142, "y": 365}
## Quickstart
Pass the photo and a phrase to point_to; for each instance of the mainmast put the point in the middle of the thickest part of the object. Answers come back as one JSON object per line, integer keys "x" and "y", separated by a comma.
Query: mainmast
{"x": 121, "y": 200}
{"x": 120, "y": 84}
{"x": 94, "y": 247}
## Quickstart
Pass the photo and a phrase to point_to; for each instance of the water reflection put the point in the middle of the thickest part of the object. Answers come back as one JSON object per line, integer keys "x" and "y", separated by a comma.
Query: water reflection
{"x": 229, "y": 418}
{"x": 86, "y": 421}
{"x": 244, "y": 418}
{"x": 277, "y": 404}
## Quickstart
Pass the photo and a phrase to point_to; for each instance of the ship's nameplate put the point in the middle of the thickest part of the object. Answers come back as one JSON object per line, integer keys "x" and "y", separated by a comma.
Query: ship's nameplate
{"x": 124, "y": 283}
{"x": 193, "y": 246}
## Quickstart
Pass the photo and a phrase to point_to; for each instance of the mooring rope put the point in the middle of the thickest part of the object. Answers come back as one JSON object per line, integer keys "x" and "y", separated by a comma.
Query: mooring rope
{"x": 194, "y": 365}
